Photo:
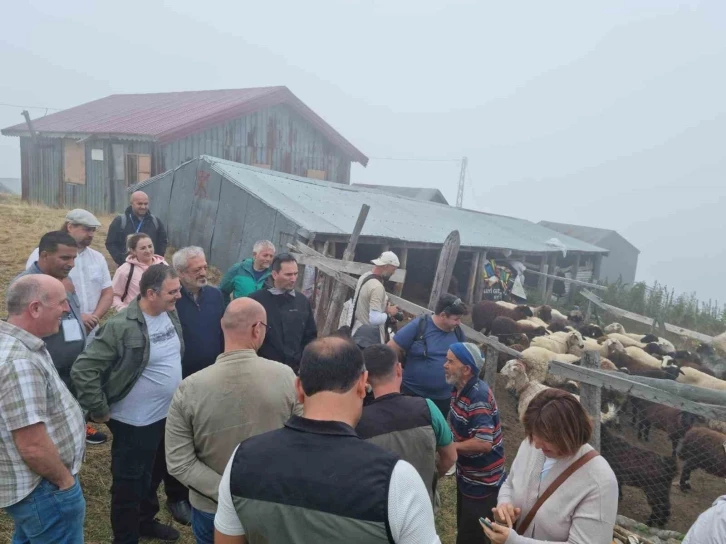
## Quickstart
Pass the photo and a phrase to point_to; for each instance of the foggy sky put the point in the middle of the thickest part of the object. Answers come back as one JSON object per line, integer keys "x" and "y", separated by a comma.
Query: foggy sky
{"x": 609, "y": 115}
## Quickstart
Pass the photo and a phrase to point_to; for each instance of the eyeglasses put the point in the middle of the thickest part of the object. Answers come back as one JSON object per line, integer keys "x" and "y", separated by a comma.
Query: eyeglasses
{"x": 267, "y": 327}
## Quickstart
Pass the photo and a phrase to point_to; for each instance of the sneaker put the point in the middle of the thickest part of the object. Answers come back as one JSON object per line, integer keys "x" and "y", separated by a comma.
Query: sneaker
{"x": 158, "y": 530}
{"x": 93, "y": 436}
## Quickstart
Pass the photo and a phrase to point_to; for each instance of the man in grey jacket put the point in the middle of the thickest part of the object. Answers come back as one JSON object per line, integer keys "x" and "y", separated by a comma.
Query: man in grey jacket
{"x": 239, "y": 396}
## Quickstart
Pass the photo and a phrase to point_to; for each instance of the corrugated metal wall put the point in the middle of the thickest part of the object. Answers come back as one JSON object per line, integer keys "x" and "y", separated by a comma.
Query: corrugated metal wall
{"x": 45, "y": 174}
{"x": 276, "y": 136}
{"x": 198, "y": 207}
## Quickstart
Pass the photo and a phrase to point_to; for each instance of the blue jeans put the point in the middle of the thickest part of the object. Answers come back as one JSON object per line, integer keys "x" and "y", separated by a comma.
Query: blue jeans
{"x": 49, "y": 515}
{"x": 203, "y": 526}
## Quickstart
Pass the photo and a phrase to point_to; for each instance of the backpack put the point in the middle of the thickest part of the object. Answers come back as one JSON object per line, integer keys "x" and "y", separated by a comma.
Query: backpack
{"x": 422, "y": 328}
{"x": 347, "y": 316}
{"x": 123, "y": 221}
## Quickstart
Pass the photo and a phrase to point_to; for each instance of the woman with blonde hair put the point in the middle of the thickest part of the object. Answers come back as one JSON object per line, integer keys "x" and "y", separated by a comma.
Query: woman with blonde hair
{"x": 127, "y": 277}
{"x": 559, "y": 488}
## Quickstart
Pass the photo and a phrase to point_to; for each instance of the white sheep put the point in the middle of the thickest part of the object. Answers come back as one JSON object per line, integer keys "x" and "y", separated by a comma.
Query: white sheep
{"x": 526, "y": 389}
{"x": 560, "y": 342}
{"x": 617, "y": 328}
{"x": 691, "y": 376}
{"x": 537, "y": 360}
{"x": 625, "y": 339}
{"x": 614, "y": 327}
{"x": 641, "y": 356}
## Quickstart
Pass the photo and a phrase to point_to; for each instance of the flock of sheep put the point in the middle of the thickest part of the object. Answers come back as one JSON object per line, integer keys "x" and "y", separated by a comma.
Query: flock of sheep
{"x": 543, "y": 334}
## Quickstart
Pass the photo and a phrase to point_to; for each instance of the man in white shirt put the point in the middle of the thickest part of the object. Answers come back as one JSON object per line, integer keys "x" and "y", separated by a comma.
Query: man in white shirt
{"x": 316, "y": 480}
{"x": 710, "y": 527}
{"x": 370, "y": 302}
{"x": 90, "y": 276}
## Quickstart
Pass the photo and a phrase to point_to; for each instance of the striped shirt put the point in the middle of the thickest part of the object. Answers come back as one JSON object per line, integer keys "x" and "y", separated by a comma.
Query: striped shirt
{"x": 474, "y": 414}
{"x": 33, "y": 392}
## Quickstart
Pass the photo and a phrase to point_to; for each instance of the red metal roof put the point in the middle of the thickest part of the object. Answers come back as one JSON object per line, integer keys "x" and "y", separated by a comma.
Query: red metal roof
{"x": 166, "y": 117}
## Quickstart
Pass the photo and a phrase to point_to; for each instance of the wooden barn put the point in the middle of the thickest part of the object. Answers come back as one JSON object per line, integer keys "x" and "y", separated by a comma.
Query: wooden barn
{"x": 225, "y": 207}
{"x": 87, "y": 156}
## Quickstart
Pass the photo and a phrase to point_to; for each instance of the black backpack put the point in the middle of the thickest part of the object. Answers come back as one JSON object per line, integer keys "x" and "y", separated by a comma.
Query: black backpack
{"x": 422, "y": 328}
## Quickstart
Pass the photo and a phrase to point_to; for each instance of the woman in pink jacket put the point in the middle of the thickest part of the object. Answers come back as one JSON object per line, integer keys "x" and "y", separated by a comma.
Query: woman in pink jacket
{"x": 126, "y": 279}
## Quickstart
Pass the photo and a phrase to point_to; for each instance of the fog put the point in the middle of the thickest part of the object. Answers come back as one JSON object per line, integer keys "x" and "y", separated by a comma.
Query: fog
{"x": 609, "y": 115}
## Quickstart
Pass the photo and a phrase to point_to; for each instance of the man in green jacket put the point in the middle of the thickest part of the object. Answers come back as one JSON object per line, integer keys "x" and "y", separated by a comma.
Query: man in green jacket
{"x": 126, "y": 378}
{"x": 250, "y": 275}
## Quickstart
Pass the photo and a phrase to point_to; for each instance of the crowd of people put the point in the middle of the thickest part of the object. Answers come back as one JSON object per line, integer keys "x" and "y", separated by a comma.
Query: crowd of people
{"x": 261, "y": 431}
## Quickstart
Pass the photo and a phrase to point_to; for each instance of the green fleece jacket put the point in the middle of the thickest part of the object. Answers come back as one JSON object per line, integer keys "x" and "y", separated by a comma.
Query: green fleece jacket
{"x": 107, "y": 371}
{"x": 239, "y": 281}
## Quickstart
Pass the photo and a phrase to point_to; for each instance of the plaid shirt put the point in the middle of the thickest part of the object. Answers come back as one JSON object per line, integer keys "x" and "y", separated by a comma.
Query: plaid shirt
{"x": 474, "y": 414}
{"x": 33, "y": 392}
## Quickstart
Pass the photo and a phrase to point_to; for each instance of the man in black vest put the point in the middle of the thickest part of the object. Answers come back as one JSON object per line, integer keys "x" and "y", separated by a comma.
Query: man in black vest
{"x": 315, "y": 480}
{"x": 411, "y": 427}
{"x": 289, "y": 315}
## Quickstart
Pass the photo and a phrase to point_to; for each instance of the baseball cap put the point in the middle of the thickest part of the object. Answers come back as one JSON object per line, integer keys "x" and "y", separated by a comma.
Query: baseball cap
{"x": 387, "y": 257}
{"x": 82, "y": 217}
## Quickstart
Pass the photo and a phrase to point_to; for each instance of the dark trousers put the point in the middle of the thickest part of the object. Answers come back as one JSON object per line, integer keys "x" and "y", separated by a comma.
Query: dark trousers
{"x": 138, "y": 465}
{"x": 442, "y": 404}
{"x": 468, "y": 512}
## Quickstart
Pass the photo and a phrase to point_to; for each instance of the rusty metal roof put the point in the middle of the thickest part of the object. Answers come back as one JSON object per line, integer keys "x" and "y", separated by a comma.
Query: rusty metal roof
{"x": 332, "y": 208}
{"x": 165, "y": 117}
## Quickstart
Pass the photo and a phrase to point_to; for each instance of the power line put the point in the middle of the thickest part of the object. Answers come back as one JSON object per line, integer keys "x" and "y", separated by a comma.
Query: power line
{"x": 29, "y": 107}
{"x": 413, "y": 159}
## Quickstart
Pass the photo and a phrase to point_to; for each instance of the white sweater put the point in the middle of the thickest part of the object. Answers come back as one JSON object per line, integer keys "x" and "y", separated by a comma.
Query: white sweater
{"x": 581, "y": 511}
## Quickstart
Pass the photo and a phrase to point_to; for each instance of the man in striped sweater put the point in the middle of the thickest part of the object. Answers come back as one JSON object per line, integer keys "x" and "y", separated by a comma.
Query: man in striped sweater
{"x": 474, "y": 421}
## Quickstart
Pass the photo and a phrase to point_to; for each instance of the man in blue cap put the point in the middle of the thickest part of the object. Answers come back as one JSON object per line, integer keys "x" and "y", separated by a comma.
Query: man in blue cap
{"x": 474, "y": 421}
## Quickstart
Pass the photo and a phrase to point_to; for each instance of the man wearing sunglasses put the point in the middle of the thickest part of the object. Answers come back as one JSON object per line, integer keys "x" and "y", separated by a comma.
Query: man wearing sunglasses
{"x": 240, "y": 396}
{"x": 422, "y": 346}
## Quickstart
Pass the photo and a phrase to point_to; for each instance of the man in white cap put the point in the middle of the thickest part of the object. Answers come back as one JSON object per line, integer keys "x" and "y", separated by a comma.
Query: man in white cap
{"x": 90, "y": 276}
{"x": 370, "y": 302}
{"x": 89, "y": 279}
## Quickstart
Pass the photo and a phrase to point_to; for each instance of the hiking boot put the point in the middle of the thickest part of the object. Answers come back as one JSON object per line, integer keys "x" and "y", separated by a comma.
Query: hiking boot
{"x": 181, "y": 511}
{"x": 158, "y": 530}
{"x": 93, "y": 436}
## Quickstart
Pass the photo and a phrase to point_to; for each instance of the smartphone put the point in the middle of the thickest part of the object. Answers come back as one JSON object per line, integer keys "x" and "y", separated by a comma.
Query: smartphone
{"x": 486, "y": 523}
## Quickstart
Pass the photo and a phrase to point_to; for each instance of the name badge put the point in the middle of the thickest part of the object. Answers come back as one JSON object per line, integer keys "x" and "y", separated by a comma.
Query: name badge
{"x": 72, "y": 330}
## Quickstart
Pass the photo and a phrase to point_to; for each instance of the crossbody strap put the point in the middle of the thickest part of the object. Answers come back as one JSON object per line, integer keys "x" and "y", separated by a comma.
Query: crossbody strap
{"x": 569, "y": 471}
{"x": 357, "y": 296}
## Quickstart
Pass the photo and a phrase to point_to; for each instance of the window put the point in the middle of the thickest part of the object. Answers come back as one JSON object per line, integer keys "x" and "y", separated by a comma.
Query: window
{"x": 138, "y": 168}
{"x": 74, "y": 162}
{"x": 316, "y": 174}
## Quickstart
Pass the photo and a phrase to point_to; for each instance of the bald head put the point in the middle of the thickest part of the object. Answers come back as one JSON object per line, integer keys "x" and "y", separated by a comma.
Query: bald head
{"x": 36, "y": 303}
{"x": 139, "y": 203}
{"x": 243, "y": 325}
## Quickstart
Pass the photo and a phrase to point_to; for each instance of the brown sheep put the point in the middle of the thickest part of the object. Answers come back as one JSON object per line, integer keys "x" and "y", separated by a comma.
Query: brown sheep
{"x": 648, "y": 414}
{"x": 702, "y": 448}
{"x": 508, "y": 331}
{"x": 486, "y": 311}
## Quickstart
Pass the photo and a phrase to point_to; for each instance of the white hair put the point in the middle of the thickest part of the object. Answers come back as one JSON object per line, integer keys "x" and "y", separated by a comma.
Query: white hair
{"x": 262, "y": 244}
{"x": 180, "y": 259}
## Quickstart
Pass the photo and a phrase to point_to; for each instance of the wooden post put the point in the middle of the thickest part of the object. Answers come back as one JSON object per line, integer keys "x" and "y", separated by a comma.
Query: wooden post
{"x": 403, "y": 260}
{"x": 385, "y": 247}
{"x": 325, "y": 288}
{"x": 490, "y": 365}
{"x": 471, "y": 284}
{"x": 551, "y": 281}
{"x": 338, "y": 298}
{"x": 597, "y": 268}
{"x": 542, "y": 283}
{"x": 573, "y": 286}
{"x": 447, "y": 260}
{"x": 301, "y": 267}
{"x": 591, "y": 396}
{"x": 479, "y": 288}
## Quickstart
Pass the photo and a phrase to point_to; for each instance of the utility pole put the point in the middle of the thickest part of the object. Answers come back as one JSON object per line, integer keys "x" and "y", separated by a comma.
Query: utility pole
{"x": 462, "y": 180}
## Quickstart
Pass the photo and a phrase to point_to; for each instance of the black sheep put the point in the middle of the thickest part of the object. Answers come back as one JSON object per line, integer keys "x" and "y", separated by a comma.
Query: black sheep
{"x": 647, "y": 470}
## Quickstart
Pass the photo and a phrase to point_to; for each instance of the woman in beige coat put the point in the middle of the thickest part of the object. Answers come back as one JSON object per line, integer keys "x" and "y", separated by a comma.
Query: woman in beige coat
{"x": 583, "y": 509}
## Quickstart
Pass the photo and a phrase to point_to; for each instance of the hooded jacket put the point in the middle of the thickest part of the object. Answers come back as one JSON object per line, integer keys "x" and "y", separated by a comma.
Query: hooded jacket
{"x": 116, "y": 238}
{"x": 240, "y": 281}
{"x": 122, "y": 275}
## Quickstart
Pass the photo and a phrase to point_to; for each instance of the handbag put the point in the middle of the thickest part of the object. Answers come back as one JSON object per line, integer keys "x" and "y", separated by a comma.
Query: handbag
{"x": 569, "y": 471}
